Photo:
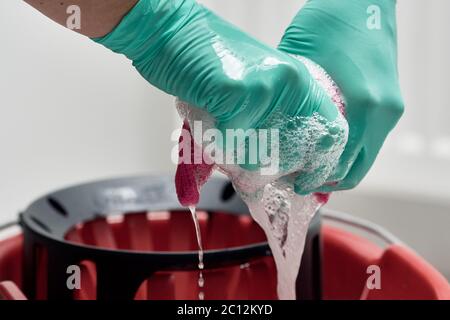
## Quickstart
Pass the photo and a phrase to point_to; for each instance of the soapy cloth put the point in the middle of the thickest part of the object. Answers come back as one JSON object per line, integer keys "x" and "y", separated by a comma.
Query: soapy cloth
{"x": 283, "y": 215}
{"x": 190, "y": 177}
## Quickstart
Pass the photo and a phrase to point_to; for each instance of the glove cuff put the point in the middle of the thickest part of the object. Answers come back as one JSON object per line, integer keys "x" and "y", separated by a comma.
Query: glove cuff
{"x": 148, "y": 25}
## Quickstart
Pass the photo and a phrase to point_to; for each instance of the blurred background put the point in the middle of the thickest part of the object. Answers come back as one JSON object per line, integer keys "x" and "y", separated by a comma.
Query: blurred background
{"x": 72, "y": 111}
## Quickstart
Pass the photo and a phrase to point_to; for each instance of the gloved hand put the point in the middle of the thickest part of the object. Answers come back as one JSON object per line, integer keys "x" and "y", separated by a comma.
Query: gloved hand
{"x": 355, "y": 41}
{"x": 187, "y": 51}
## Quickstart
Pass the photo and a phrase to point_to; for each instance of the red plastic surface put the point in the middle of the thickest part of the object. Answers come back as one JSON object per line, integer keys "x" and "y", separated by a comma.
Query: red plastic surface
{"x": 404, "y": 275}
{"x": 407, "y": 276}
{"x": 11, "y": 259}
{"x": 345, "y": 260}
{"x": 10, "y": 291}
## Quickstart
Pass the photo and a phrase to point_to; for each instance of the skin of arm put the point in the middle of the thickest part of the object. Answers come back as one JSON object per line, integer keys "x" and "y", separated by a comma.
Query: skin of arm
{"x": 98, "y": 17}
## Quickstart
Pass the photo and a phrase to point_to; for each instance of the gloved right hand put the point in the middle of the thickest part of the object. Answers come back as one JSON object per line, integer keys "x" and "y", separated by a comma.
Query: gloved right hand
{"x": 362, "y": 59}
{"x": 187, "y": 51}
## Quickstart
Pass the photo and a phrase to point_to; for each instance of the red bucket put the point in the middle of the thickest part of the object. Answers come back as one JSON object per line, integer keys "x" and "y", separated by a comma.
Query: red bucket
{"x": 345, "y": 259}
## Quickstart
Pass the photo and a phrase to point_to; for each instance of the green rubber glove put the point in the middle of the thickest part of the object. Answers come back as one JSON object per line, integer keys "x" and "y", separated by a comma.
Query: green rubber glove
{"x": 187, "y": 51}
{"x": 355, "y": 41}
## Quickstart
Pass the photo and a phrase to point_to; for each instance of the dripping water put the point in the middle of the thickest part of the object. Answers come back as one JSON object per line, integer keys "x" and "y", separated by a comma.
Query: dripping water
{"x": 201, "y": 266}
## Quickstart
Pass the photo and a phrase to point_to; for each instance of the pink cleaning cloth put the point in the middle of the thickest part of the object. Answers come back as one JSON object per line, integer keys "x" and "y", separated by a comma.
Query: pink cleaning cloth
{"x": 190, "y": 177}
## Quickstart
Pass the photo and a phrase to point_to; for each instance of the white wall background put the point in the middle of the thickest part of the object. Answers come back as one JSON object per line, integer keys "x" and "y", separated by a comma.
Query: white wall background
{"x": 72, "y": 111}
